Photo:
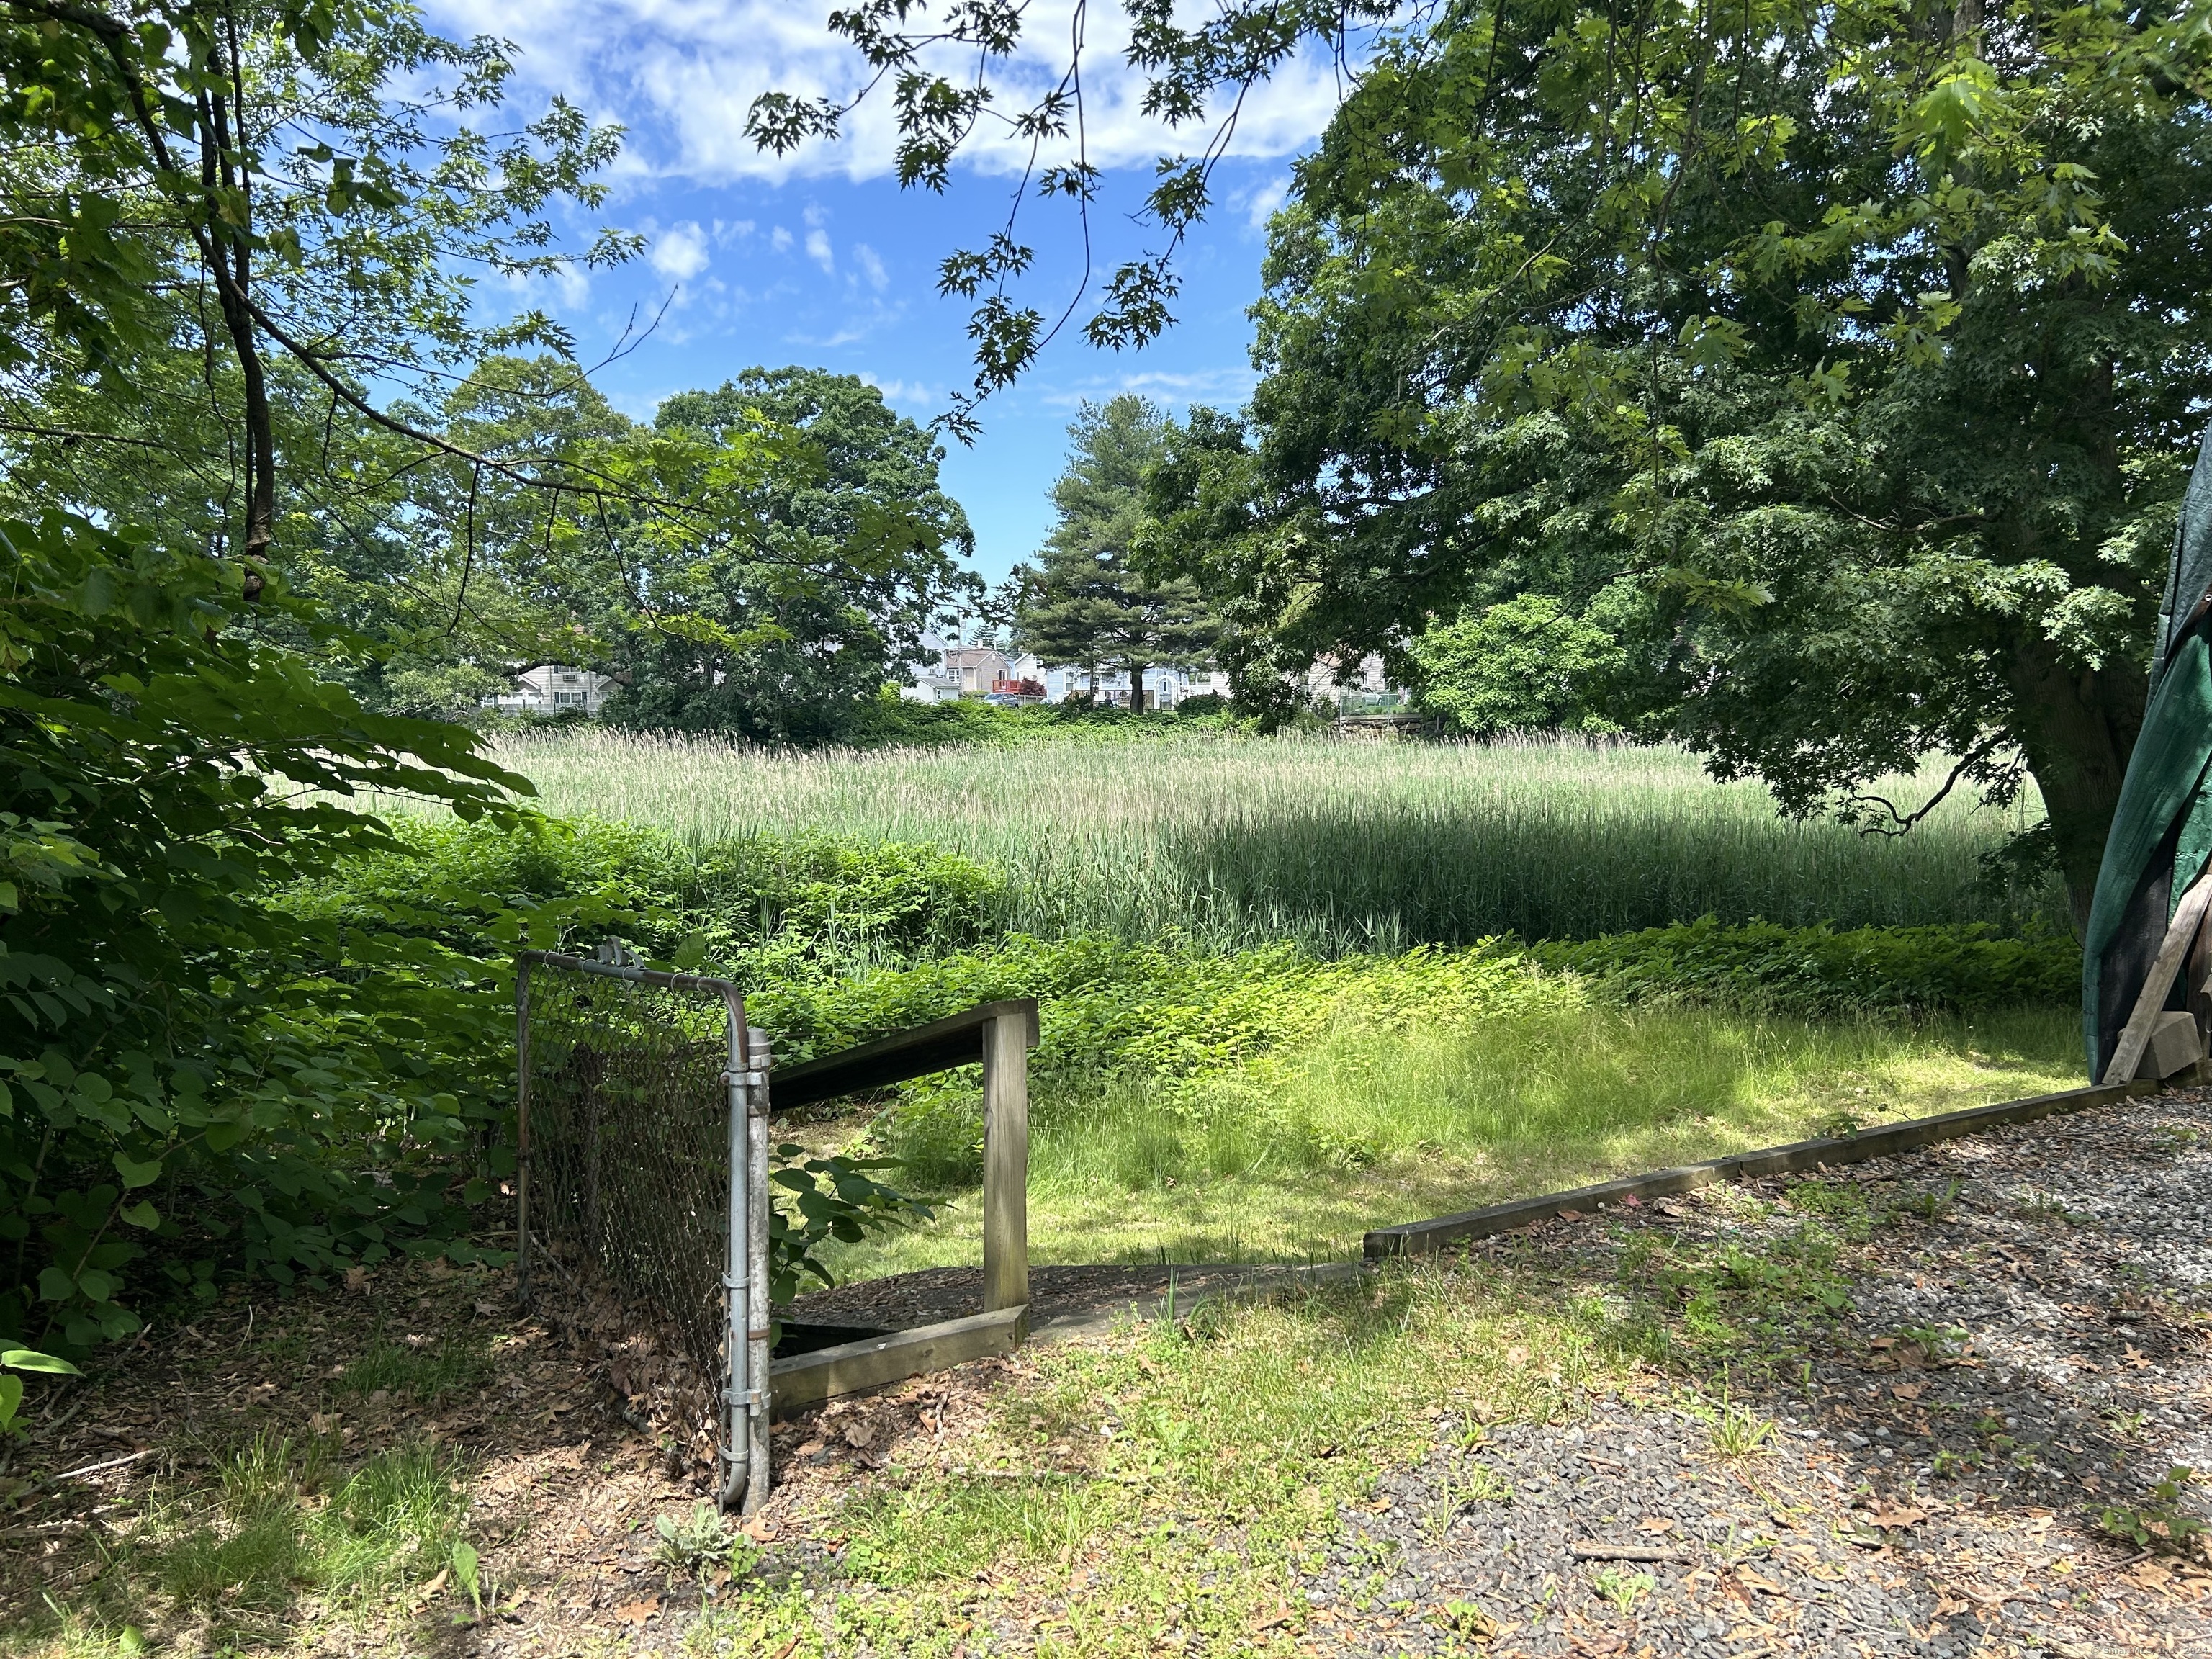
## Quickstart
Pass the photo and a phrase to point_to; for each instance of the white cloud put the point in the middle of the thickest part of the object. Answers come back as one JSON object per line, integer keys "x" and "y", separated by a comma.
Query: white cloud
{"x": 780, "y": 239}
{"x": 908, "y": 394}
{"x": 871, "y": 266}
{"x": 680, "y": 251}
{"x": 1226, "y": 385}
{"x": 681, "y": 74}
{"x": 1261, "y": 204}
{"x": 818, "y": 249}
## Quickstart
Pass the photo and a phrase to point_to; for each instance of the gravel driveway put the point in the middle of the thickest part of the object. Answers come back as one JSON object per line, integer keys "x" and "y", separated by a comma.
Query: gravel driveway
{"x": 2026, "y": 1342}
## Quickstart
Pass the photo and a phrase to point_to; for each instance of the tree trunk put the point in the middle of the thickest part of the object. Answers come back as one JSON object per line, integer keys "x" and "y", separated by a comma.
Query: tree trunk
{"x": 2078, "y": 728}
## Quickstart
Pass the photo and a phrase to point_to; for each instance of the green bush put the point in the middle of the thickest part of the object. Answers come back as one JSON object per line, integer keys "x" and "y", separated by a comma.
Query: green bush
{"x": 1958, "y": 969}
{"x": 181, "y": 1061}
{"x": 762, "y": 907}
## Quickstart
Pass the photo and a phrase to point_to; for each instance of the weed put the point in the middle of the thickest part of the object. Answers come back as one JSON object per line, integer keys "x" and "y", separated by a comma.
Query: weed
{"x": 2035, "y": 1205}
{"x": 1949, "y": 1464}
{"x": 418, "y": 1368}
{"x": 2160, "y": 1523}
{"x": 1740, "y": 1432}
{"x": 697, "y": 1543}
{"x": 1840, "y": 1203}
{"x": 1622, "y": 1587}
{"x": 1932, "y": 1206}
{"x": 1838, "y": 1125}
{"x": 1940, "y": 1343}
{"x": 1467, "y": 1620}
{"x": 1740, "y": 1306}
{"x": 1475, "y": 1482}
{"x": 1360, "y": 847}
{"x": 466, "y": 1565}
{"x": 2179, "y": 1137}
{"x": 395, "y": 1518}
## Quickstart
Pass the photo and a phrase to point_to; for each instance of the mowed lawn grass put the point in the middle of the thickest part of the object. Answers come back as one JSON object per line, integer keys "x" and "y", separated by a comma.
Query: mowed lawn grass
{"x": 1367, "y": 1128}
{"x": 1234, "y": 841}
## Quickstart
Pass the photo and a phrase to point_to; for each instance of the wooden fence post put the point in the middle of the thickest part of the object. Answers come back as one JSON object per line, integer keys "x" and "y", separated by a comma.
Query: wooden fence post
{"x": 1006, "y": 1163}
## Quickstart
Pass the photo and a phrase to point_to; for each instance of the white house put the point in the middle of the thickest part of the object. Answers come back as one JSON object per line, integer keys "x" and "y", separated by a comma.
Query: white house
{"x": 1164, "y": 686}
{"x": 550, "y": 688}
{"x": 1363, "y": 689}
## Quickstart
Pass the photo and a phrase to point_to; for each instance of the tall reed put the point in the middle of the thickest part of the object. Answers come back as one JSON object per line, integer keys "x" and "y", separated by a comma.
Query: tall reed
{"x": 1338, "y": 845}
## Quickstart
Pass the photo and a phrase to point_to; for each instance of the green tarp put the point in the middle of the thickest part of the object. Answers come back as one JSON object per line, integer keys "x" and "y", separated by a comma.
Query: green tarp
{"x": 2162, "y": 830}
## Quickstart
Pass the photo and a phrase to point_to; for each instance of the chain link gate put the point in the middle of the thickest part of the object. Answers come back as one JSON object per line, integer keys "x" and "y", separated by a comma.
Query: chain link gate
{"x": 642, "y": 1154}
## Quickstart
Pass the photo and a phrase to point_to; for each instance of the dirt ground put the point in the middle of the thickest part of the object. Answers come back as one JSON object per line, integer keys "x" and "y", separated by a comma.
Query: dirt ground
{"x": 2033, "y": 1352}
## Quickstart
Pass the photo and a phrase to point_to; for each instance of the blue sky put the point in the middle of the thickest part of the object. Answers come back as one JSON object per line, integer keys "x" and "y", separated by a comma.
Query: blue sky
{"x": 822, "y": 260}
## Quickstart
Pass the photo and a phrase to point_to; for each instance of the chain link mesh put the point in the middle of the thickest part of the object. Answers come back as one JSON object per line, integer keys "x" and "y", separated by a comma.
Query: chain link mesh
{"x": 629, "y": 1110}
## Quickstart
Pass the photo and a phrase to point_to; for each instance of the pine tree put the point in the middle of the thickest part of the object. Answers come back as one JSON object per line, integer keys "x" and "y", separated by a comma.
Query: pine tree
{"x": 1088, "y": 602}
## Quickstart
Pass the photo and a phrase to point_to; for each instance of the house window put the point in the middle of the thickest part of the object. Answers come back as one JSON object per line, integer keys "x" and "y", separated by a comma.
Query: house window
{"x": 570, "y": 698}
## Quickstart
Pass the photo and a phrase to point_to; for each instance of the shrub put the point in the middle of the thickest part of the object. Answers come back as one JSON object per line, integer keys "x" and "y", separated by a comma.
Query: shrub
{"x": 1959, "y": 969}
{"x": 179, "y": 1058}
{"x": 763, "y": 906}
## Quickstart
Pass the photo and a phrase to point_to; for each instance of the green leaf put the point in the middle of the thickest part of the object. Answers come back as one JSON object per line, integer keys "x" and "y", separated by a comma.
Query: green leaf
{"x": 135, "y": 1174}
{"x": 142, "y": 1215}
{"x": 30, "y": 1359}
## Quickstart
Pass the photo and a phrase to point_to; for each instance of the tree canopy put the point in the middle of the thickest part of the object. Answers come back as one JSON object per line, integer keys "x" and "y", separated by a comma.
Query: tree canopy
{"x": 1091, "y": 598}
{"x": 1846, "y": 353}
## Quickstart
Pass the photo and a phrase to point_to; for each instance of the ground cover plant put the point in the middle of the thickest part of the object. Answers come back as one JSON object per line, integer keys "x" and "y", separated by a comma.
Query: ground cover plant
{"x": 1196, "y": 1103}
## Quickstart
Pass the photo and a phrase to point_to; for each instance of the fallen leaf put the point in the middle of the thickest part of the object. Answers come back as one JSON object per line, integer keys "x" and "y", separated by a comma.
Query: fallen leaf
{"x": 357, "y": 1278}
{"x": 1766, "y": 1585}
{"x": 1632, "y": 1200}
{"x": 636, "y": 1613}
{"x": 759, "y": 1528}
{"x": 1571, "y": 1215}
{"x": 1906, "y": 1390}
{"x": 437, "y": 1584}
{"x": 2135, "y": 1361}
{"x": 1665, "y": 1208}
{"x": 2152, "y": 1575}
{"x": 1882, "y": 1342}
{"x": 1655, "y": 1523}
{"x": 1898, "y": 1517}
{"x": 860, "y": 1435}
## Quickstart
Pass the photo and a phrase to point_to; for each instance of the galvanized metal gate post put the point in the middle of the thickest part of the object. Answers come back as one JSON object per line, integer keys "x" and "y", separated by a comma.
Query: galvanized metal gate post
{"x": 758, "y": 1327}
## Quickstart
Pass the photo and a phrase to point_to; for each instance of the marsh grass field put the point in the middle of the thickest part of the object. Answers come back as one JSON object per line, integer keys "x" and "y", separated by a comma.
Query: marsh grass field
{"x": 1234, "y": 842}
{"x": 1370, "y": 1105}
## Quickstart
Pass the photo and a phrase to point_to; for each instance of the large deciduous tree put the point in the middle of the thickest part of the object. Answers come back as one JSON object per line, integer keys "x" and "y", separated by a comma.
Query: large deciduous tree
{"x": 813, "y": 587}
{"x": 1856, "y": 344}
{"x": 1851, "y": 355}
{"x": 1091, "y": 598}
